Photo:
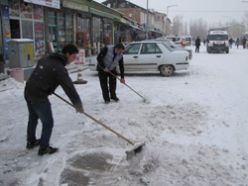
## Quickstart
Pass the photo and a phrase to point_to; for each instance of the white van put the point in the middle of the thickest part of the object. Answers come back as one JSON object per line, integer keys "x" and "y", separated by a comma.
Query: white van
{"x": 217, "y": 41}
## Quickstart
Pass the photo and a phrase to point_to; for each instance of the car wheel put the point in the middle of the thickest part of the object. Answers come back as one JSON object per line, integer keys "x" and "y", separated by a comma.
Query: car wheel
{"x": 166, "y": 70}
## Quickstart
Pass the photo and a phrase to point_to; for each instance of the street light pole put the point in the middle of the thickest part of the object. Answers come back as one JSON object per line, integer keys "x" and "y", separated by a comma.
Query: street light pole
{"x": 167, "y": 12}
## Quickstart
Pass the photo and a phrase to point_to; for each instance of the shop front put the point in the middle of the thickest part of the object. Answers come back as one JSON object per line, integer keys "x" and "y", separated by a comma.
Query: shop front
{"x": 88, "y": 24}
{"x": 4, "y": 33}
{"x": 83, "y": 32}
{"x": 59, "y": 28}
{"x": 27, "y": 21}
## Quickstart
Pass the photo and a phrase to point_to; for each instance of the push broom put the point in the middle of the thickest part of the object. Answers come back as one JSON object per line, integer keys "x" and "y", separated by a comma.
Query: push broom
{"x": 143, "y": 98}
{"x": 137, "y": 148}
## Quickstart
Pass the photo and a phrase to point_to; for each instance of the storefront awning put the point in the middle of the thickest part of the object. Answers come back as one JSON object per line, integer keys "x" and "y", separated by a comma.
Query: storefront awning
{"x": 76, "y": 6}
{"x": 103, "y": 14}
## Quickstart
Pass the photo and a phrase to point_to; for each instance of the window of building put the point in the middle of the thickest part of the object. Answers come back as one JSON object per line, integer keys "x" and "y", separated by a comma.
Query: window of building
{"x": 27, "y": 29}
{"x": 14, "y": 8}
{"x": 69, "y": 28}
{"x": 97, "y": 35}
{"x": 83, "y": 34}
{"x": 26, "y": 10}
{"x": 27, "y": 21}
{"x": 108, "y": 32}
{"x": 59, "y": 28}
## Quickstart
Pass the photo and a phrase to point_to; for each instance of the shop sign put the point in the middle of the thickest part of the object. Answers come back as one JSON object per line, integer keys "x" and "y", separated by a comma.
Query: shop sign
{"x": 48, "y": 3}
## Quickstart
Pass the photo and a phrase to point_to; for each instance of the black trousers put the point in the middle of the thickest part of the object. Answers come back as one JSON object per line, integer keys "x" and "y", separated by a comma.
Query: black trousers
{"x": 43, "y": 112}
{"x": 197, "y": 49}
{"x": 108, "y": 84}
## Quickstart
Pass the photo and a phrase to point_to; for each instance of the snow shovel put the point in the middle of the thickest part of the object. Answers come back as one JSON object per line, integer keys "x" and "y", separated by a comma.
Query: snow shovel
{"x": 144, "y": 99}
{"x": 137, "y": 148}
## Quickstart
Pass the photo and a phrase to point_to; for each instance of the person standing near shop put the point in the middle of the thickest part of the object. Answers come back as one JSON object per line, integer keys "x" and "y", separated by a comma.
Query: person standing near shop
{"x": 49, "y": 73}
{"x": 108, "y": 59}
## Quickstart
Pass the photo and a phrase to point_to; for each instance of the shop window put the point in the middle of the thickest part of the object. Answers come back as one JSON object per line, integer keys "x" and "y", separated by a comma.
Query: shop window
{"x": 107, "y": 37}
{"x": 83, "y": 36}
{"x": 38, "y": 13}
{"x": 27, "y": 29}
{"x": 69, "y": 28}
{"x": 39, "y": 39}
{"x": 15, "y": 28}
{"x": 61, "y": 29}
{"x": 26, "y": 10}
{"x": 97, "y": 36}
{"x": 14, "y": 8}
{"x": 52, "y": 29}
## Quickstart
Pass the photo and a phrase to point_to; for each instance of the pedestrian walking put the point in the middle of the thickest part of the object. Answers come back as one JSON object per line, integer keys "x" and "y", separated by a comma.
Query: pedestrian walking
{"x": 237, "y": 42}
{"x": 108, "y": 59}
{"x": 197, "y": 44}
{"x": 230, "y": 42}
{"x": 244, "y": 42}
{"x": 49, "y": 73}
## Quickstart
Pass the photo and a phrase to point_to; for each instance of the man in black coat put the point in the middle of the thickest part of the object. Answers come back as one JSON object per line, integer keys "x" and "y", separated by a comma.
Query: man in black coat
{"x": 49, "y": 73}
{"x": 197, "y": 44}
{"x": 108, "y": 59}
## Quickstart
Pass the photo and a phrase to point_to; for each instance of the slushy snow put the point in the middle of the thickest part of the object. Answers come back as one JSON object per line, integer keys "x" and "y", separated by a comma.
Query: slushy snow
{"x": 195, "y": 129}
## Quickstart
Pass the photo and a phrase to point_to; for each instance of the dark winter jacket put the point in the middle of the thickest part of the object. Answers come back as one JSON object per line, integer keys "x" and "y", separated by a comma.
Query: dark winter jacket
{"x": 197, "y": 42}
{"x": 101, "y": 65}
{"x": 49, "y": 73}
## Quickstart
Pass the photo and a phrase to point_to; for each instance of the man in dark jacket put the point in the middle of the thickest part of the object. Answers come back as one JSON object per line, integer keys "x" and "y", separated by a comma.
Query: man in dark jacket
{"x": 49, "y": 73}
{"x": 197, "y": 44}
{"x": 108, "y": 59}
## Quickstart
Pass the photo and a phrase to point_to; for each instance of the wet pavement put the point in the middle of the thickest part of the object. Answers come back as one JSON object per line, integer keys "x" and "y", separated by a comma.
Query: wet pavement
{"x": 88, "y": 169}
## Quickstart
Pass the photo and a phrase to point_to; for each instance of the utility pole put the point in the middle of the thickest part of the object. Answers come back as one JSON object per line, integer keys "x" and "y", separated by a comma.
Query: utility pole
{"x": 147, "y": 18}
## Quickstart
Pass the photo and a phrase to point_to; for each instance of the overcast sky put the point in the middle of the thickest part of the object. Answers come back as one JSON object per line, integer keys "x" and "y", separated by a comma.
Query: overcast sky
{"x": 213, "y": 11}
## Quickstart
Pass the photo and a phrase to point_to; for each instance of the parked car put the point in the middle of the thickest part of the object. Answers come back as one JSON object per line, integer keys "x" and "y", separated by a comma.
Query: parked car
{"x": 175, "y": 46}
{"x": 152, "y": 57}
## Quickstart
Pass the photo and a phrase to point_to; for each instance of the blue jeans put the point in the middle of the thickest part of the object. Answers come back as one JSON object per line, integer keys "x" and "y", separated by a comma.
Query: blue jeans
{"x": 43, "y": 112}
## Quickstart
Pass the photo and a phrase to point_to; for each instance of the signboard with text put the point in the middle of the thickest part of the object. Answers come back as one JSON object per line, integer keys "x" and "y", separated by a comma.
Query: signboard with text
{"x": 48, "y": 3}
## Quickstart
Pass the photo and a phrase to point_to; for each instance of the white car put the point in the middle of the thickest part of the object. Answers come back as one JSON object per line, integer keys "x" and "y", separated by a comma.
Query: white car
{"x": 152, "y": 57}
{"x": 175, "y": 46}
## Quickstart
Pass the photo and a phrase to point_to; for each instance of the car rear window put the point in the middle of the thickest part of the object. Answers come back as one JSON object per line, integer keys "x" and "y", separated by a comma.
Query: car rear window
{"x": 150, "y": 48}
{"x": 132, "y": 48}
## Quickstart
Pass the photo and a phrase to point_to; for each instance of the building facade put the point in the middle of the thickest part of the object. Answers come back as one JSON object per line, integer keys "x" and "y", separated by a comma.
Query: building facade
{"x": 151, "y": 21}
{"x": 88, "y": 24}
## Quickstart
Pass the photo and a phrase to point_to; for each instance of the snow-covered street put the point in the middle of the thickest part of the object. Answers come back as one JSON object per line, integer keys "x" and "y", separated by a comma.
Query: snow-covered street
{"x": 195, "y": 128}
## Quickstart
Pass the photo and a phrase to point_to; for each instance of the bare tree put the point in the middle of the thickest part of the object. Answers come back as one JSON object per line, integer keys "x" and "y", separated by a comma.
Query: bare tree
{"x": 245, "y": 20}
{"x": 177, "y": 27}
{"x": 199, "y": 28}
{"x": 236, "y": 29}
